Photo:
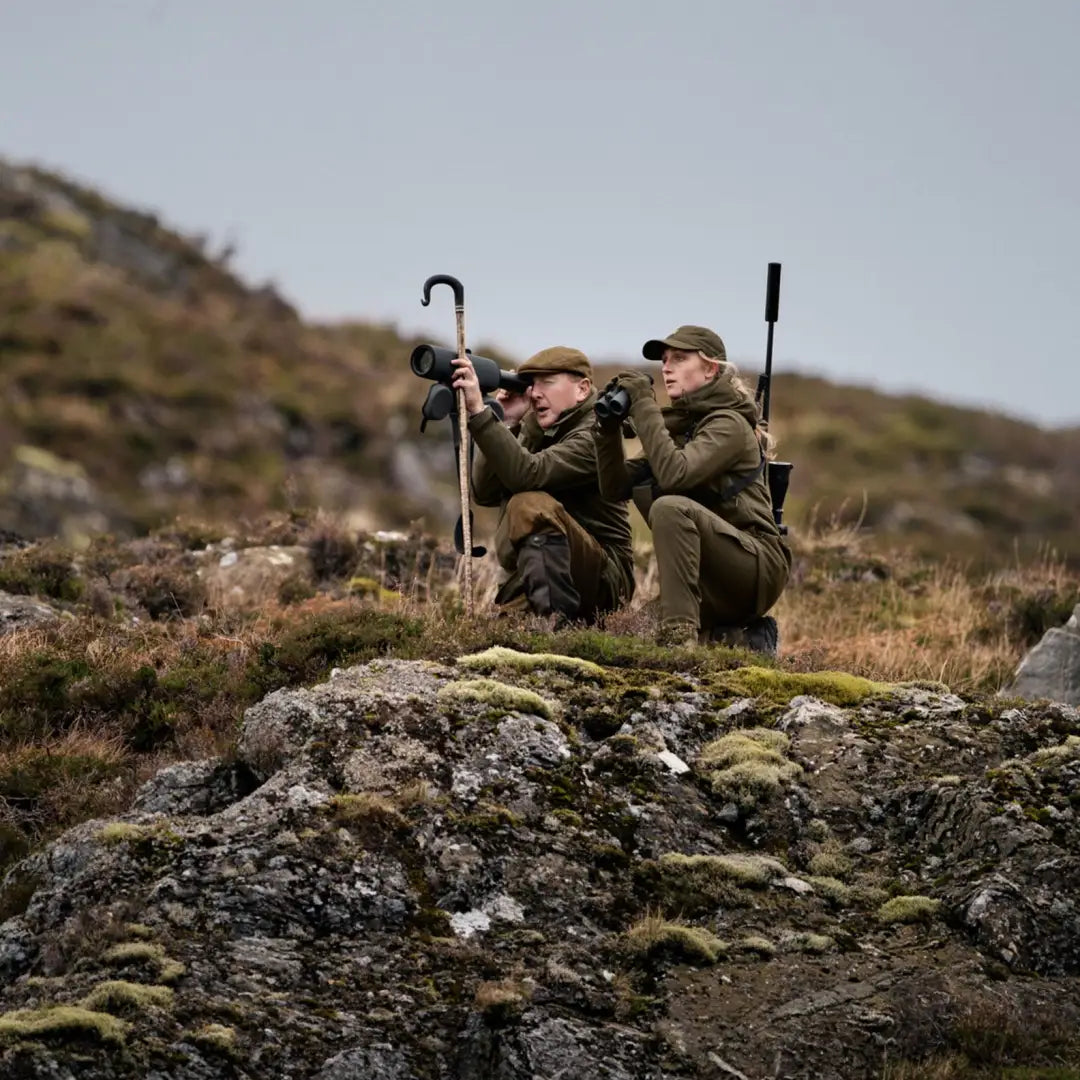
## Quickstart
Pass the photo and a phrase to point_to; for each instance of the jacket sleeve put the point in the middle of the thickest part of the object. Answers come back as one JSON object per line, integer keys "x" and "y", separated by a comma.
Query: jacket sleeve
{"x": 718, "y": 444}
{"x": 616, "y": 475}
{"x": 516, "y": 468}
{"x": 486, "y": 489}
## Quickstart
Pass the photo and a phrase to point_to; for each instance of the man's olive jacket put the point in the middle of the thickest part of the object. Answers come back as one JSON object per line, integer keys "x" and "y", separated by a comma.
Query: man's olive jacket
{"x": 562, "y": 462}
{"x": 701, "y": 446}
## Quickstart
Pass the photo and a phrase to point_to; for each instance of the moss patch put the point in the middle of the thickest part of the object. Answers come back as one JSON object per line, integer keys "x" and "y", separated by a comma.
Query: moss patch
{"x": 147, "y": 953}
{"x": 118, "y": 996}
{"x": 748, "y": 766}
{"x": 746, "y": 871}
{"x": 779, "y": 687}
{"x": 499, "y": 656}
{"x": 497, "y": 695}
{"x": 908, "y": 909}
{"x": 217, "y": 1037}
{"x": 122, "y": 832}
{"x": 62, "y": 1022}
{"x": 655, "y": 937}
{"x": 831, "y": 889}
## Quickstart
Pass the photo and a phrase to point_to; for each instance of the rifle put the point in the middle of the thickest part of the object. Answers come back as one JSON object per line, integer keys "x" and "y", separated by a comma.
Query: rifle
{"x": 778, "y": 473}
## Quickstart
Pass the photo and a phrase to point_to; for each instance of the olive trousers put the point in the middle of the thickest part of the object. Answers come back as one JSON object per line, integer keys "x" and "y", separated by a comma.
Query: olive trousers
{"x": 559, "y": 565}
{"x": 711, "y": 573}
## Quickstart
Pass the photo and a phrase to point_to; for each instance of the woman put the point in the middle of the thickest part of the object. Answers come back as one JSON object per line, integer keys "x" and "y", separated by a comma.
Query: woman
{"x": 701, "y": 485}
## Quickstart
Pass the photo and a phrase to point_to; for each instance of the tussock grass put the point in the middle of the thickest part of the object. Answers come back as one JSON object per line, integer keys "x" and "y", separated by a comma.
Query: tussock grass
{"x": 836, "y": 892}
{"x": 908, "y": 909}
{"x": 501, "y": 998}
{"x": 366, "y": 806}
{"x": 144, "y": 953}
{"x": 900, "y": 616}
{"x": 118, "y": 996}
{"x": 807, "y": 942}
{"x": 219, "y": 1037}
{"x": 744, "y": 871}
{"x": 654, "y": 936}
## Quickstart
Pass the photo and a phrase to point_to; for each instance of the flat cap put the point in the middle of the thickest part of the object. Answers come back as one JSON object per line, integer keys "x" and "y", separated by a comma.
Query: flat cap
{"x": 557, "y": 358}
{"x": 690, "y": 339}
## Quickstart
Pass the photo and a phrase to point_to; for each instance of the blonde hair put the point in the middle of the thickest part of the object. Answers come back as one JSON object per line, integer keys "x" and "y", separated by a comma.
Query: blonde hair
{"x": 729, "y": 371}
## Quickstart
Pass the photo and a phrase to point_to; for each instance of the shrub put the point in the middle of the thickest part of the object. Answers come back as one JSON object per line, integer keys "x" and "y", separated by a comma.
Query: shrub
{"x": 45, "y": 569}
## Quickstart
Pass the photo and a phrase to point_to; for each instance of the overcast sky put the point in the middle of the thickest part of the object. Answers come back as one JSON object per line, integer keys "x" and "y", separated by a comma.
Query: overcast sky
{"x": 598, "y": 173}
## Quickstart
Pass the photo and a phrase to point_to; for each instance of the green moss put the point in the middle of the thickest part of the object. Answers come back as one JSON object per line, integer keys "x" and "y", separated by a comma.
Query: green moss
{"x": 146, "y": 953}
{"x": 908, "y": 909}
{"x": 217, "y": 1037}
{"x": 750, "y": 744}
{"x": 500, "y": 657}
{"x": 569, "y": 818}
{"x": 830, "y": 863}
{"x": 62, "y": 1022}
{"x": 1058, "y": 755}
{"x": 747, "y": 766}
{"x": 370, "y": 589}
{"x": 122, "y": 832}
{"x": 779, "y": 687}
{"x": 811, "y": 943}
{"x": 831, "y": 889}
{"x": 745, "y": 871}
{"x": 495, "y": 694}
{"x": 754, "y": 943}
{"x": 751, "y": 782}
{"x": 655, "y": 936}
{"x": 118, "y": 996}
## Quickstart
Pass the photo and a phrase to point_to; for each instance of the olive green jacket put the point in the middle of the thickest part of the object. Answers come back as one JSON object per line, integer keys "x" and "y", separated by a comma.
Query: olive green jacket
{"x": 562, "y": 462}
{"x": 700, "y": 446}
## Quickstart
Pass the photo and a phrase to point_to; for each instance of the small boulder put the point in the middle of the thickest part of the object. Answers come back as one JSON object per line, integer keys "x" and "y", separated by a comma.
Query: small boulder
{"x": 1051, "y": 669}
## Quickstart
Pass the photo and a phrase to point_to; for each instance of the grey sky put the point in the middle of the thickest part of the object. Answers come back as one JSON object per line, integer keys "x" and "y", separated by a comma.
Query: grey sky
{"x": 600, "y": 172}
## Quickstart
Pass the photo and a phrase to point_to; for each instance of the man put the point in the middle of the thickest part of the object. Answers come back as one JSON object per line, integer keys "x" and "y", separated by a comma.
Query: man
{"x": 701, "y": 485}
{"x": 567, "y": 548}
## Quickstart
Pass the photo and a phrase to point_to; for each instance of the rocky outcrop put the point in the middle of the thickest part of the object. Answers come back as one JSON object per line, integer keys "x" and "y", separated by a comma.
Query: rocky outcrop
{"x": 1052, "y": 669}
{"x": 21, "y": 612}
{"x": 530, "y": 866}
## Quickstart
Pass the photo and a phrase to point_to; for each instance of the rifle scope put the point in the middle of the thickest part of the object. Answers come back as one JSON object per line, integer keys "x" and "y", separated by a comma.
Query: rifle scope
{"x": 436, "y": 363}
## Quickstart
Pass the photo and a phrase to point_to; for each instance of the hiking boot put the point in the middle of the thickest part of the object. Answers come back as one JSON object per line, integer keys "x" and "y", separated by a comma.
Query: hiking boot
{"x": 677, "y": 635}
{"x": 762, "y": 635}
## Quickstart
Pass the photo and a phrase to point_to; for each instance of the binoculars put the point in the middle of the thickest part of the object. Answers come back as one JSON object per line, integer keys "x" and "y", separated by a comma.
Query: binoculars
{"x": 613, "y": 404}
{"x": 436, "y": 363}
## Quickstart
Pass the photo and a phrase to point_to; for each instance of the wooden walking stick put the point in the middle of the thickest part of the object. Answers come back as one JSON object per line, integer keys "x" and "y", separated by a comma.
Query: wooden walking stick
{"x": 462, "y": 432}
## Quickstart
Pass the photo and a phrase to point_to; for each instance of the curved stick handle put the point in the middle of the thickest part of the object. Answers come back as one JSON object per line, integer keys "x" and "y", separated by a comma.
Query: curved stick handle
{"x": 444, "y": 279}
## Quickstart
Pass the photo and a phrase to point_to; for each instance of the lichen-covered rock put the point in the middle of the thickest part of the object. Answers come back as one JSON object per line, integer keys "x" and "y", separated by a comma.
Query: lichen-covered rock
{"x": 21, "y": 612}
{"x": 413, "y": 872}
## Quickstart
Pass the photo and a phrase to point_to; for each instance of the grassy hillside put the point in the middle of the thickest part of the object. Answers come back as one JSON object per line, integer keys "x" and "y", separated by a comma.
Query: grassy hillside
{"x": 141, "y": 379}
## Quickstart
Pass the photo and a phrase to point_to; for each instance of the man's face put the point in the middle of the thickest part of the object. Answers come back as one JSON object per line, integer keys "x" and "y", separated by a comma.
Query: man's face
{"x": 552, "y": 393}
{"x": 686, "y": 371}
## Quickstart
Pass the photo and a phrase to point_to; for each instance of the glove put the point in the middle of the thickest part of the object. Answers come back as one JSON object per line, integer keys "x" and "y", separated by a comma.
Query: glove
{"x": 637, "y": 384}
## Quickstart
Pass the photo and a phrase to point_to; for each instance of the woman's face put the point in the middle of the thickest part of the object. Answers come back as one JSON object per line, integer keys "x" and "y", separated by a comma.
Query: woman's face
{"x": 686, "y": 371}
